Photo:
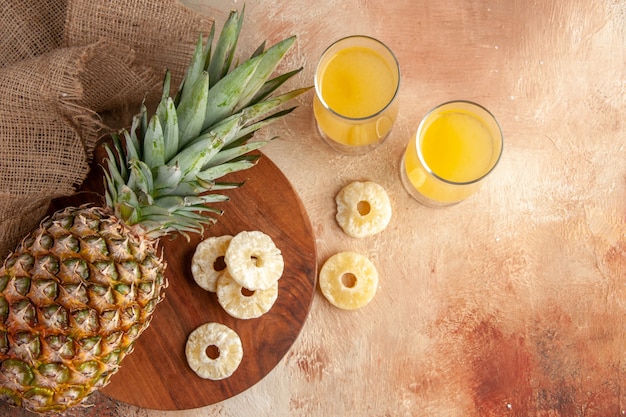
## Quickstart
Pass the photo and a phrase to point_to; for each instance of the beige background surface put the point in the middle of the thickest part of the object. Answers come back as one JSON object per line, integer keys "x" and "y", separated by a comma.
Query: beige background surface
{"x": 511, "y": 303}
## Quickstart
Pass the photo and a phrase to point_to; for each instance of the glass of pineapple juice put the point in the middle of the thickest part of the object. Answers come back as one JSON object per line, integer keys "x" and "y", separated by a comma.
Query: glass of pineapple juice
{"x": 457, "y": 144}
{"x": 356, "y": 84}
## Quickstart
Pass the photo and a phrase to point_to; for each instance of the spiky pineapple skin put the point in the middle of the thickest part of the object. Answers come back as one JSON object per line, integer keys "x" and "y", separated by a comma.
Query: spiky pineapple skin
{"x": 74, "y": 296}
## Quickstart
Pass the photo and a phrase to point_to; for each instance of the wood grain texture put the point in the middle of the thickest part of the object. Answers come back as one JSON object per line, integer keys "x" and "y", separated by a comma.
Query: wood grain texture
{"x": 156, "y": 374}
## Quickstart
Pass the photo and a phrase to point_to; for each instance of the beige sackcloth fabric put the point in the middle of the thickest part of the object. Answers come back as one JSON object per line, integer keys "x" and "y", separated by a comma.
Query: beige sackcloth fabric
{"x": 64, "y": 66}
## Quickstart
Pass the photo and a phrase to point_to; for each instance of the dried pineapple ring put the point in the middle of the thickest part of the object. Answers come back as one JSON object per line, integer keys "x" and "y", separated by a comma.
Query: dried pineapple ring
{"x": 348, "y": 280}
{"x": 222, "y": 342}
{"x": 253, "y": 260}
{"x": 206, "y": 264}
{"x": 363, "y": 209}
{"x": 242, "y": 303}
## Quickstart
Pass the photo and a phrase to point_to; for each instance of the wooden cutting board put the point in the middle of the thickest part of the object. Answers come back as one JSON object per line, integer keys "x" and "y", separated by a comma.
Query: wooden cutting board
{"x": 156, "y": 374}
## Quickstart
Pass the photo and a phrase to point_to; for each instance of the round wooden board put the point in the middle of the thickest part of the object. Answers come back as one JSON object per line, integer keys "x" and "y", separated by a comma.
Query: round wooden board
{"x": 156, "y": 374}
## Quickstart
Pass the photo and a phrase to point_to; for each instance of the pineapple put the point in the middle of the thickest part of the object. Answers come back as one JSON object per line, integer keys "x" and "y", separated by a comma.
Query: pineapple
{"x": 363, "y": 209}
{"x": 348, "y": 280}
{"x": 253, "y": 260}
{"x": 77, "y": 292}
{"x": 213, "y": 351}
{"x": 207, "y": 263}
{"x": 242, "y": 303}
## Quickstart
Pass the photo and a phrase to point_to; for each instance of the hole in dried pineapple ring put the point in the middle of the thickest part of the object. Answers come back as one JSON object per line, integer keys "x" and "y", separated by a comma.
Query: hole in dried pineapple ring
{"x": 246, "y": 292}
{"x": 213, "y": 352}
{"x": 219, "y": 264}
{"x": 256, "y": 261}
{"x": 348, "y": 280}
{"x": 363, "y": 207}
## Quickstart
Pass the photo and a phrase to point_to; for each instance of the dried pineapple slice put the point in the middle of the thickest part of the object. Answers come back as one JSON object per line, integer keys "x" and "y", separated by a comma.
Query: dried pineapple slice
{"x": 207, "y": 263}
{"x": 224, "y": 347}
{"x": 242, "y": 303}
{"x": 348, "y": 280}
{"x": 363, "y": 209}
{"x": 253, "y": 260}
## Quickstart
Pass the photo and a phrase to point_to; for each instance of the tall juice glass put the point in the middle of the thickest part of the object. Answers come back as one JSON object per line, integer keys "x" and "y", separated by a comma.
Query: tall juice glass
{"x": 456, "y": 146}
{"x": 356, "y": 83}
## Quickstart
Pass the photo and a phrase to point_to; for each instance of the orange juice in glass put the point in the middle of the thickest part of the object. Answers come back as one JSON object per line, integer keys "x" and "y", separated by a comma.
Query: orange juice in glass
{"x": 456, "y": 146}
{"x": 356, "y": 83}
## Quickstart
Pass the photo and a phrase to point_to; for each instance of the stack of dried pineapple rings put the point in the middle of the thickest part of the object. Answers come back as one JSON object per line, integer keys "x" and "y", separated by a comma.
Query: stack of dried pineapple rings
{"x": 243, "y": 270}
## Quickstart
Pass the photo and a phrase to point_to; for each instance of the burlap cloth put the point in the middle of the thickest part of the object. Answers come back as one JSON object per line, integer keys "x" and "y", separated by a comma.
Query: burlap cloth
{"x": 65, "y": 65}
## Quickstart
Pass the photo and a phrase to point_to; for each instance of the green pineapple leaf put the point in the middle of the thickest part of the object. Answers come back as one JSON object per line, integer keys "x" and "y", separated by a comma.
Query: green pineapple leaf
{"x": 234, "y": 165}
{"x": 154, "y": 144}
{"x": 191, "y": 112}
{"x": 224, "y": 95}
{"x": 222, "y": 58}
{"x": 266, "y": 67}
{"x": 165, "y": 171}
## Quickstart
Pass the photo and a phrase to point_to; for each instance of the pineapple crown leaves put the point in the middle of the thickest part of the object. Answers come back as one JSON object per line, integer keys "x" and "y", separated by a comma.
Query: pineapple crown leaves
{"x": 163, "y": 173}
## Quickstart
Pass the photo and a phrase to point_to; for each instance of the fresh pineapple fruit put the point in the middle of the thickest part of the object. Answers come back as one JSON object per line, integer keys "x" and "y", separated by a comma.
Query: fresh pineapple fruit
{"x": 363, "y": 209}
{"x": 75, "y": 295}
{"x": 225, "y": 347}
{"x": 348, "y": 280}
{"x": 79, "y": 290}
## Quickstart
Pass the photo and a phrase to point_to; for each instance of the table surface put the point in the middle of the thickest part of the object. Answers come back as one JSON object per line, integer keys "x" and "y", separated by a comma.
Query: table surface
{"x": 510, "y": 303}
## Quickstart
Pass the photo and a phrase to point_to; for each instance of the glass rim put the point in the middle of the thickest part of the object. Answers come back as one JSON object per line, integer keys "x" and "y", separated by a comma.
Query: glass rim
{"x": 420, "y": 155}
{"x": 318, "y": 93}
